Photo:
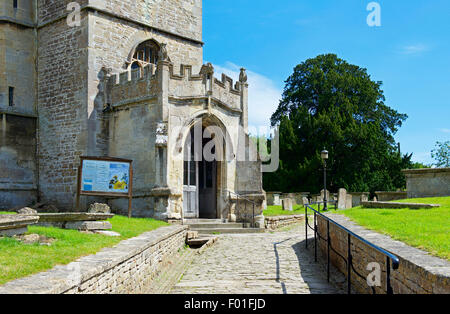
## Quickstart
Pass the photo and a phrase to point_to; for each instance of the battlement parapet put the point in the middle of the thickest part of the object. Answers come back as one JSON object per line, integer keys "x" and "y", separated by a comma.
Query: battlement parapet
{"x": 137, "y": 85}
{"x": 131, "y": 76}
{"x": 133, "y": 85}
{"x": 204, "y": 84}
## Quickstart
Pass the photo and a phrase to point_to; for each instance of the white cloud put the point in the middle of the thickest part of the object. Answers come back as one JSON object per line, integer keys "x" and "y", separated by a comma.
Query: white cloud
{"x": 414, "y": 49}
{"x": 445, "y": 130}
{"x": 263, "y": 96}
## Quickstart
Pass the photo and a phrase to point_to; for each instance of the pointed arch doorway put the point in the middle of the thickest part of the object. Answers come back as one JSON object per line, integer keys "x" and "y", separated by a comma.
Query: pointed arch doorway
{"x": 200, "y": 182}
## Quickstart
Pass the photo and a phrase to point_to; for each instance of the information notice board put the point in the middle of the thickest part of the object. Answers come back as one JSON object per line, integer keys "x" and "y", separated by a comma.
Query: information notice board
{"x": 106, "y": 177}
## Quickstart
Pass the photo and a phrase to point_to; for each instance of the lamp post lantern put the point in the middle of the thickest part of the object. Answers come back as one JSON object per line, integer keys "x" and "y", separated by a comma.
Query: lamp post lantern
{"x": 324, "y": 156}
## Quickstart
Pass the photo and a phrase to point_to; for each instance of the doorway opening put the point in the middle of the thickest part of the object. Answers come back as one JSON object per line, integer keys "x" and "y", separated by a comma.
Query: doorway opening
{"x": 200, "y": 179}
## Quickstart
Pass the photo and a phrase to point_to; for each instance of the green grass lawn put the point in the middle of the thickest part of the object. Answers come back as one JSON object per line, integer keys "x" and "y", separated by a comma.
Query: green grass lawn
{"x": 427, "y": 229}
{"x": 19, "y": 260}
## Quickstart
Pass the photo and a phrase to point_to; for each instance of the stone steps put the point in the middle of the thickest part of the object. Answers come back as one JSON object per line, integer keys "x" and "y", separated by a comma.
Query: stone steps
{"x": 229, "y": 230}
{"x": 219, "y": 226}
{"x": 198, "y": 242}
{"x": 196, "y": 226}
{"x": 190, "y": 221}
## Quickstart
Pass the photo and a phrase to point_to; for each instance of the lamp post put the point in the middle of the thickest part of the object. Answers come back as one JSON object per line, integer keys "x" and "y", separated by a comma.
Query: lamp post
{"x": 324, "y": 155}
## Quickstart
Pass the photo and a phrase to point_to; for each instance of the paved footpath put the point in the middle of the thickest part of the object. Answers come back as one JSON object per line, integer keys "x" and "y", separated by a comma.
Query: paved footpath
{"x": 267, "y": 263}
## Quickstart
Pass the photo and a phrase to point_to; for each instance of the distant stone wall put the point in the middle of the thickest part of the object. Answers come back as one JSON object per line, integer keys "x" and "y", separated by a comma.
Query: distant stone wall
{"x": 273, "y": 223}
{"x": 427, "y": 182}
{"x": 127, "y": 268}
{"x": 418, "y": 273}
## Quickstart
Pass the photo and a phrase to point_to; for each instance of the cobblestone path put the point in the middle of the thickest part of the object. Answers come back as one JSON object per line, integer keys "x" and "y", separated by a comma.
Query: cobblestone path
{"x": 268, "y": 263}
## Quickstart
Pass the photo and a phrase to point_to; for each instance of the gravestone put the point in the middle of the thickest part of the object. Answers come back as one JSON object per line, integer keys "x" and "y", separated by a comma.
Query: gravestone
{"x": 276, "y": 199}
{"x": 269, "y": 198}
{"x": 342, "y": 198}
{"x": 287, "y": 204}
{"x": 291, "y": 196}
{"x": 349, "y": 201}
{"x": 322, "y": 195}
{"x": 359, "y": 197}
{"x": 305, "y": 200}
{"x": 365, "y": 197}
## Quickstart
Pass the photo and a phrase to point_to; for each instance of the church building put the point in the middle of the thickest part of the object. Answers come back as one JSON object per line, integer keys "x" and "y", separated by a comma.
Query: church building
{"x": 123, "y": 79}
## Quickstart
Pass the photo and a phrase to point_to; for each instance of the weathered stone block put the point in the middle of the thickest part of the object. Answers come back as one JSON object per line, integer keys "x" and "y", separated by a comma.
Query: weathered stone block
{"x": 88, "y": 225}
{"x": 99, "y": 208}
{"x": 65, "y": 217}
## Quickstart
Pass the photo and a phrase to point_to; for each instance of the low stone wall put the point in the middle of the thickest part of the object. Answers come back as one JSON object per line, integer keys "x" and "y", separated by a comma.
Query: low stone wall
{"x": 273, "y": 223}
{"x": 427, "y": 182}
{"x": 418, "y": 273}
{"x": 129, "y": 267}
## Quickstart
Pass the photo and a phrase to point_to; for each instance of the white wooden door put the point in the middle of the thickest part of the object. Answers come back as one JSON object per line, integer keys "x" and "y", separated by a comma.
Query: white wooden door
{"x": 190, "y": 190}
{"x": 190, "y": 180}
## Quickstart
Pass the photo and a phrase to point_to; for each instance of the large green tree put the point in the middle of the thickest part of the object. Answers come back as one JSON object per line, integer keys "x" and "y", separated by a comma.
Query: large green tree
{"x": 441, "y": 154}
{"x": 329, "y": 103}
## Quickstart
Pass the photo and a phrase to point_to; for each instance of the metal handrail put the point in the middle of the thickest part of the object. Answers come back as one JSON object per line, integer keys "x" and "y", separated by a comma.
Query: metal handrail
{"x": 323, "y": 202}
{"x": 245, "y": 209}
{"x": 389, "y": 256}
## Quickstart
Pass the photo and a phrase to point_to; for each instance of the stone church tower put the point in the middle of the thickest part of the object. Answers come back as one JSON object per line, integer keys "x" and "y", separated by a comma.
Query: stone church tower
{"x": 126, "y": 79}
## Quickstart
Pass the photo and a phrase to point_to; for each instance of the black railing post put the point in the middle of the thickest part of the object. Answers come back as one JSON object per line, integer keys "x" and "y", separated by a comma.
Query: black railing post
{"x": 390, "y": 258}
{"x": 315, "y": 237}
{"x": 349, "y": 264}
{"x": 237, "y": 206}
{"x": 388, "y": 276}
{"x": 306, "y": 227}
{"x": 328, "y": 250}
{"x": 245, "y": 211}
{"x": 253, "y": 219}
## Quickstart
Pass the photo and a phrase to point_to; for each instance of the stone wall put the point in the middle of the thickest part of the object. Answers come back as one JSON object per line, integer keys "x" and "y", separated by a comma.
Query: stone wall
{"x": 17, "y": 69}
{"x": 18, "y": 173}
{"x": 427, "y": 182}
{"x": 129, "y": 267}
{"x": 63, "y": 112}
{"x": 273, "y": 223}
{"x": 181, "y": 17}
{"x": 132, "y": 136}
{"x": 418, "y": 273}
{"x": 24, "y": 13}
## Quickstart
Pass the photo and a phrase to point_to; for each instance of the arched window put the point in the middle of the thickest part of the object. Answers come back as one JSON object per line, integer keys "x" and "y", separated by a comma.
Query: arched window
{"x": 136, "y": 65}
{"x": 145, "y": 53}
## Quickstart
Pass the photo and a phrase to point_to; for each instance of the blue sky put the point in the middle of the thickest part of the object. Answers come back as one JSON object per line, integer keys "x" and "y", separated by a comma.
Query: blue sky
{"x": 409, "y": 52}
